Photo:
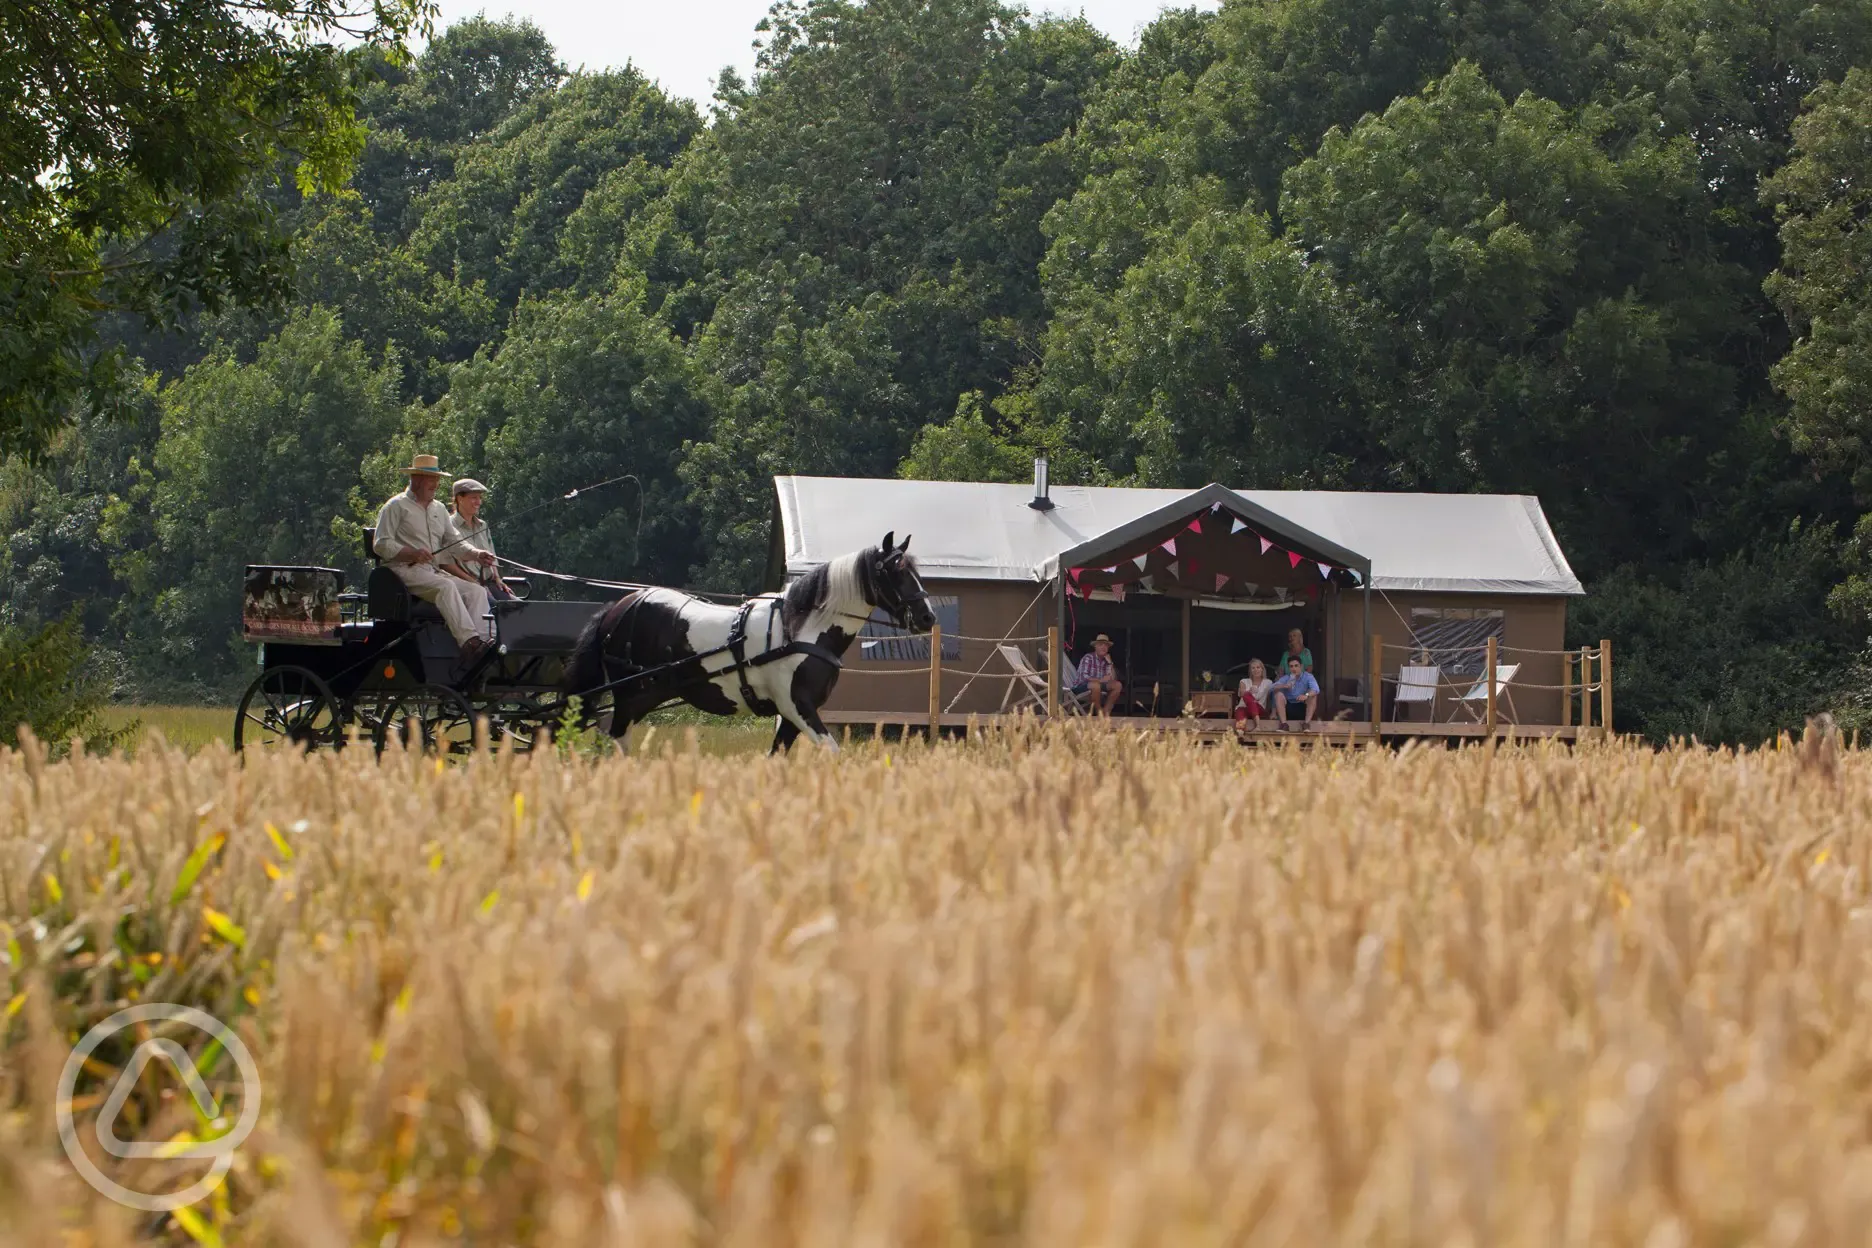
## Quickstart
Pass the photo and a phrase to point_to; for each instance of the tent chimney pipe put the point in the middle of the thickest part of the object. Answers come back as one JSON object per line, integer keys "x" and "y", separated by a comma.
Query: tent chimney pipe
{"x": 1040, "y": 500}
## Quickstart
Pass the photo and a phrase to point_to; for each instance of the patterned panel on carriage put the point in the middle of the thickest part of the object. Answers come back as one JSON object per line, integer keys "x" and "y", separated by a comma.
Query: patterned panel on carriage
{"x": 536, "y": 639}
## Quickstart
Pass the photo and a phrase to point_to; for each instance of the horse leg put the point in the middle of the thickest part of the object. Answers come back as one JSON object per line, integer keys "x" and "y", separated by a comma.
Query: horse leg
{"x": 784, "y": 736}
{"x": 805, "y": 719}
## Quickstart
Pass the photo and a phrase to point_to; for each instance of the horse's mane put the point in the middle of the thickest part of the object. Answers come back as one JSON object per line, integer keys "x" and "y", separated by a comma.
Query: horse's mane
{"x": 845, "y": 578}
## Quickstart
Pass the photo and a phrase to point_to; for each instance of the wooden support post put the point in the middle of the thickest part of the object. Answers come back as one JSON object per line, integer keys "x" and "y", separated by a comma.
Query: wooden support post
{"x": 1488, "y": 674}
{"x": 1189, "y": 695}
{"x": 1566, "y": 690}
{"x": 1374, "y": 691}
{"x": 935, "y": 707}
{"x": 1053, "y": 672}
{"x": 1585, "y": 689}
{"x": 1605, "y": 685}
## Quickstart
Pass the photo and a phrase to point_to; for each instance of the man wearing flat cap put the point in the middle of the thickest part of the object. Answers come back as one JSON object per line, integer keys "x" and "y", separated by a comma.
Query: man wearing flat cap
{"x": 473, "y": 558}
{"x": 414, "y": 535}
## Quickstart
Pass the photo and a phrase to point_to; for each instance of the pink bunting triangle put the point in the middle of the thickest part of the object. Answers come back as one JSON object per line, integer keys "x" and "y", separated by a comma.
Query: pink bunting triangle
{"x": 1220, "y": 580}
{"x": 1196, "y": 525}
{"x": 1264, "y": 545}
{"x": 1325, "y": 570}
{"x": 1235, "y": 525}
{"x": 1170, "y": 546}
{"x": 1118, "y": 591}
{"x": 1293, "y": 559}
{"x": 1109, "y": 571}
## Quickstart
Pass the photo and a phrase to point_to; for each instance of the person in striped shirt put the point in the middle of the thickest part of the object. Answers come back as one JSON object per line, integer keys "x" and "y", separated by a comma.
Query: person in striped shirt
{"x": 1098, "y": 678}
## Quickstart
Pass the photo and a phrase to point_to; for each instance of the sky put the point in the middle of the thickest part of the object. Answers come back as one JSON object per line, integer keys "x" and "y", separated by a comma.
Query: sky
{"x": 684, "y": 43}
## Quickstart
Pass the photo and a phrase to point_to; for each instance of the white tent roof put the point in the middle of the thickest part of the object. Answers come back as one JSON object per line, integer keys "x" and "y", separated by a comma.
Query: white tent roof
{"x": 1458, "y": 543}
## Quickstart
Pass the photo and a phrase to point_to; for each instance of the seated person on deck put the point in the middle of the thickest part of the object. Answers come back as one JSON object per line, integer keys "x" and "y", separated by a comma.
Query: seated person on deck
{"x": 1296, "y": 691}
{"x": 1097, "y": 677}
{"x": 1254, "y": 696}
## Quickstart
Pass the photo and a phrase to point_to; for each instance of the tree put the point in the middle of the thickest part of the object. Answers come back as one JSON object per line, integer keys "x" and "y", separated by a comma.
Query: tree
{"x": 255, "y": 464}
{"x": 498, "y": 221}
{"x": 1823, "y": 197}
{"x": 120, "y": 191}
{"x": 467, "y": 82}
{"x": 582, "y": 390}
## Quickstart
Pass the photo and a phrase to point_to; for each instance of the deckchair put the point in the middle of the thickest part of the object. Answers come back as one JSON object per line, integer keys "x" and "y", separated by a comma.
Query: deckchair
{"x": 1416, "y": 684}
{"x": 1030, "y": 687}
{"x": 1474, "y": 704}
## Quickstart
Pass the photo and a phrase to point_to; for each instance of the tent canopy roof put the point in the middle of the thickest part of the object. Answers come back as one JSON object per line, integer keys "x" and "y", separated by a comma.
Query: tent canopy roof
{"x": 964, "y": 530}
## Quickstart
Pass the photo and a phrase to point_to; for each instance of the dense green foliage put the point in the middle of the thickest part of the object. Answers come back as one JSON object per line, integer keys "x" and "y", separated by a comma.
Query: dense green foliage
{"x": 1609, "y": 252}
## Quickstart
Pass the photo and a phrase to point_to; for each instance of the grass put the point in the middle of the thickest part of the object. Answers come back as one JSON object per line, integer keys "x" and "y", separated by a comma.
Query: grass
{"x": 1080, "y": 986}
{"x": 188, "y": 727}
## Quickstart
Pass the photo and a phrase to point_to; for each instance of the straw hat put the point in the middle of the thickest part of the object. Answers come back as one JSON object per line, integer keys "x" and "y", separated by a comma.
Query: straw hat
{"x": 468, "y": 485}
{"x": 1101, "y": 637}
{"x": 424, "y": 465}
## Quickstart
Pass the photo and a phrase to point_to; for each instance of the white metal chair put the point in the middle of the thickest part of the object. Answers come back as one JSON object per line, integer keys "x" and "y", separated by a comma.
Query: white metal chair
{"x": 1030, "y": 686}
{"x": 1416, "y": 684}
{"x": 1474, "y": 704}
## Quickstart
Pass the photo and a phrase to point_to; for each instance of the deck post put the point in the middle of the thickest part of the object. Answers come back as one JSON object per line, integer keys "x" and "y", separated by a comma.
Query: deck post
{"x": 1488, "y": 675}
{"x": 1585, "y": 689}
{"x": 935, "y": 701}
{"x": 1189, "y": 695}
{"x": 1053, "y": 672}
{"x": 1374, "y": 689}
{"x": 1605, "y": 685}
{"x": 1566, "y": 690}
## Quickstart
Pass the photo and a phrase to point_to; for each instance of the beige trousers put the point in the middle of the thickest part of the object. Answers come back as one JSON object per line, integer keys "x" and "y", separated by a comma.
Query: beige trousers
{"x": 463, "y": 604}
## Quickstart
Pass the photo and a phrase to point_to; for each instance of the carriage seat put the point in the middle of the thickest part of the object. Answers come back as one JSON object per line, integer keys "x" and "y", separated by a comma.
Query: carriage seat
{"x": 390, "y": 599}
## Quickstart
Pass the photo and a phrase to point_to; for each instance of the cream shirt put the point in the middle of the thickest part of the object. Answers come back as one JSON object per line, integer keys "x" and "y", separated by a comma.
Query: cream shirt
{"x": 403, "y": 522}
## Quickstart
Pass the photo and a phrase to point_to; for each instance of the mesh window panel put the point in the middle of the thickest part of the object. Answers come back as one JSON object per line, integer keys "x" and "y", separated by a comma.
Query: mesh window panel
{"x": 883, "y": 642}
{"x": 1455, "y": 638}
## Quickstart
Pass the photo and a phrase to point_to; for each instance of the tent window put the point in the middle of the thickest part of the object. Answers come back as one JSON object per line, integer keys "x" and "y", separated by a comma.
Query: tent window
{"x": 1455, "y": 638}
{"x": 882, "y": 641}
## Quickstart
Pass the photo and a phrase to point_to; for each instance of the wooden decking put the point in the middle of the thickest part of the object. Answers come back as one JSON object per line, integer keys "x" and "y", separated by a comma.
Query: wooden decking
{"x": 1335, "y": 733}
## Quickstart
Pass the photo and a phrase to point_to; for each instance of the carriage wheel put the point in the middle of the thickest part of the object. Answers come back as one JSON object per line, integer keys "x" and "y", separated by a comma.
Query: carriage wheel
{"x": 444, "y": 721}
{"x": 292, "y": 705}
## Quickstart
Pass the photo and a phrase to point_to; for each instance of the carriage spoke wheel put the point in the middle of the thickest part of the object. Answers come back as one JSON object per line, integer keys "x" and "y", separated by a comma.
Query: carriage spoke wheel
{"x": 289, "y": 705}
{"x": 441, "y": 719}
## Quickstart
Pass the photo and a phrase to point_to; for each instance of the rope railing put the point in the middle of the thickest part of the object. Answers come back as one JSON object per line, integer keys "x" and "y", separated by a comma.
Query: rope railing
{"x": 1585, "y": 678}
{"x": 1500, "y": 649}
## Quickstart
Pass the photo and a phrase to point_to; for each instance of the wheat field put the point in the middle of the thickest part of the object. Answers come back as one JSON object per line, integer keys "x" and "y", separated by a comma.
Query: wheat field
{"x": 1062, "y": 987}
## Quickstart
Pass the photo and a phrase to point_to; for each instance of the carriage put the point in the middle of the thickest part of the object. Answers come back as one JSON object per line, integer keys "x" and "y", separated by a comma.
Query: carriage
{"x": 333, "y": 663}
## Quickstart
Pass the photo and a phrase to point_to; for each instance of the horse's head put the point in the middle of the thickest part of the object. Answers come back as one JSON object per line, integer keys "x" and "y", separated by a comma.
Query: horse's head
{"x": 893, "y": 585}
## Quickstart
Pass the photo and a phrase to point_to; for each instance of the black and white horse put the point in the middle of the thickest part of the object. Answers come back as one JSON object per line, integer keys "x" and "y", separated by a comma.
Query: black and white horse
{"x": 773, "y": 655}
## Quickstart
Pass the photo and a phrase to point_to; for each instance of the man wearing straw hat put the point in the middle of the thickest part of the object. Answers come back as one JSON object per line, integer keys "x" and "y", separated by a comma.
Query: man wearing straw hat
{"x": 411, "y": 528}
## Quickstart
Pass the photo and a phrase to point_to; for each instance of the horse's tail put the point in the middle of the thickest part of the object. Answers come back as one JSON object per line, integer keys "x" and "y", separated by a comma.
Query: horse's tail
{"x": 585, "y": 669}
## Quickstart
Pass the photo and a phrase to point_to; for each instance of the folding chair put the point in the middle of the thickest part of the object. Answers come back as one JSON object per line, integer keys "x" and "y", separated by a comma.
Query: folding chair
{"x": 1474, "y": 704}
{"x": 1030, "y": 687}
{"x": 1416, "y": 684}
{"x": 1351, "y": 691}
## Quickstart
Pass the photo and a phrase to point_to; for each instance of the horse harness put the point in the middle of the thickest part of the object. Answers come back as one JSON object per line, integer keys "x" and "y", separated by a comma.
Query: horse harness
{"x": 694, "y": 667}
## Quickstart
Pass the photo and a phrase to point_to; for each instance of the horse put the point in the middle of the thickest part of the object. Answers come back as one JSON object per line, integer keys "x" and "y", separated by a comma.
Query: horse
{"x": 778, "y": 654}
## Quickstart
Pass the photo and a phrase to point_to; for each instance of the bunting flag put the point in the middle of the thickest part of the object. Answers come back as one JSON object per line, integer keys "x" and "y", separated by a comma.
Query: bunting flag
{"x": 1215, "y": 509}
{"x": 1265, "y": 545}
{"x": 1170, "y": 546}
{"x": 1118, "y": 592}
{"x": 1196, "y": 525}
{"x": 1293, "y": 559}
{"x": 1139, "y": 561}
{"x": 1172, "y": 570}
{"x": 1236, "y": 525}
{"x": 1109, "y": 571}
{"x": 1148, "y": 583}
{"x": 1325, "y": 570}
{"x": 1220, "y": 582}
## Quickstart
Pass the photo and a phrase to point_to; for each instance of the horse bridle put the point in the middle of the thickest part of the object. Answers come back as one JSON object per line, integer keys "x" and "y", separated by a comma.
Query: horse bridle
{"x": 896, "y": 604}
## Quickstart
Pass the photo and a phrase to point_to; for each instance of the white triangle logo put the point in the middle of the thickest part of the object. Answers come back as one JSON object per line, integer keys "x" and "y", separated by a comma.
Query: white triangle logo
{"x": 190, "y": 1078}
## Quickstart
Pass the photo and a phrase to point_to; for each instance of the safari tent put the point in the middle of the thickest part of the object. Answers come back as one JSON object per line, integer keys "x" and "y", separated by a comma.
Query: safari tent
{"x": 1190, "y": 585}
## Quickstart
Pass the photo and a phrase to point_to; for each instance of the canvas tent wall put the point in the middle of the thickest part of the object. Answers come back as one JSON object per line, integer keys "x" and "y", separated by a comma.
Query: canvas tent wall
{"x": 1000, "y": 559}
